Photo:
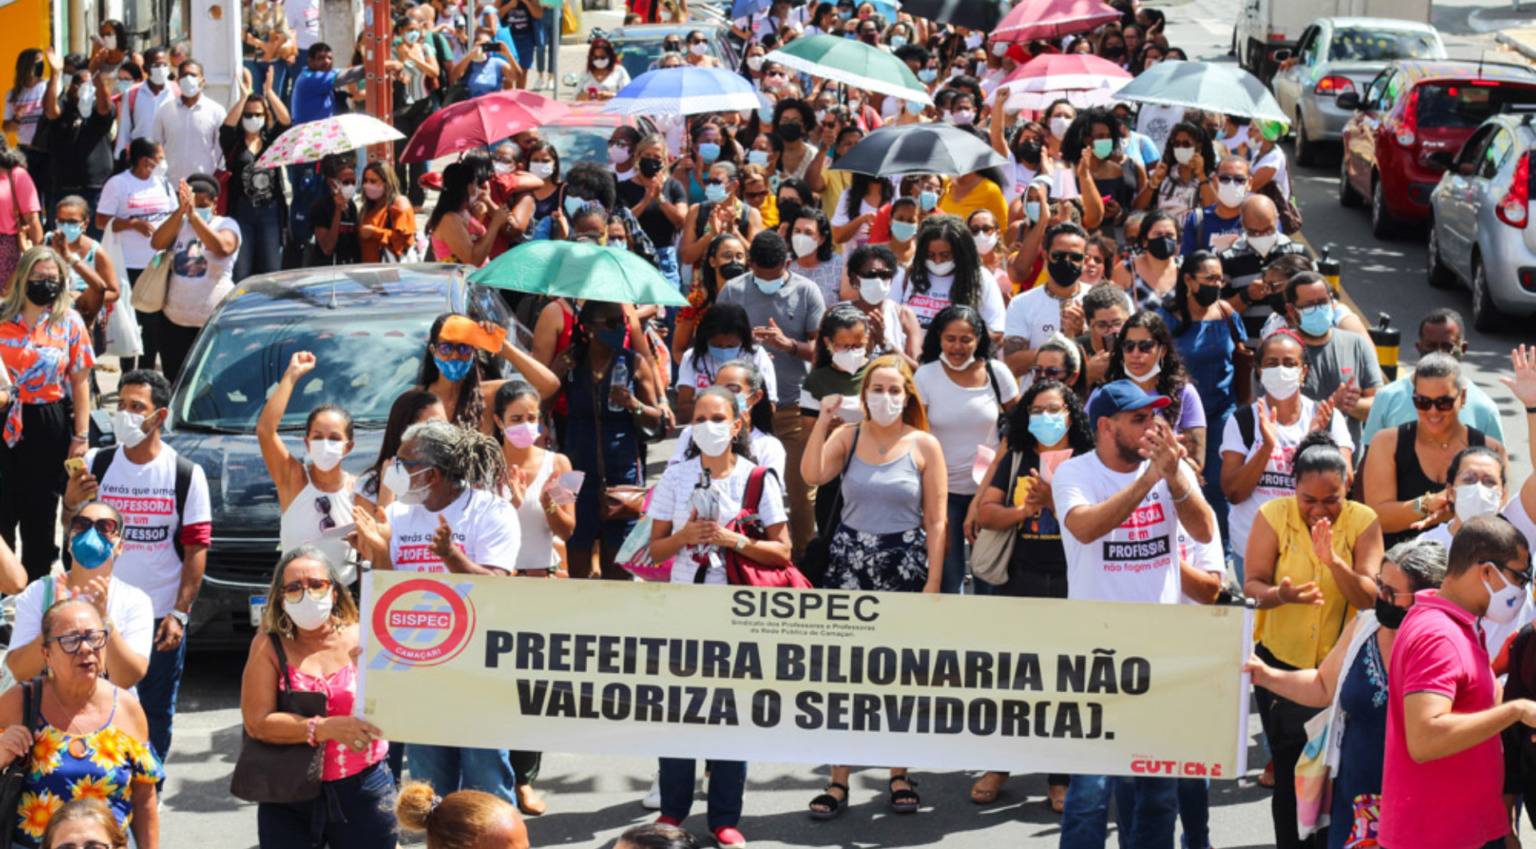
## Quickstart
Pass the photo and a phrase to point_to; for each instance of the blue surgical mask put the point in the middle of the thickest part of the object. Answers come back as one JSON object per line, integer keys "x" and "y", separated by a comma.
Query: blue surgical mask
{"x": 914, "y": 108}
{"x": 903, "y": 231}
{"x": 927, "y": 199}
{"x": 573, "y": 205}
{"x": 612, "y": 337}
{"x": 1048, "y": 428}
{"x": 709, "y": 152}
{"x": 768, "y": 287}
{"x": 1032, "y": 210}
{"x": 898, "y": 42}
{"x": 205, "y": 213}
{"x": 71, "y": 230}
{"x": 1102, "y": 148}
{"x": 757, "y": 157}
{"x": 927, "y": 75}
{"x": 715, "y": 192}
{"x": 451, "y": 370}
{"x": 90, "y": 548}
{"x": 741, "y": 403}
{"x": 724, "y": 355}
{"x": 413, "y": 36}
{"x": 1317, "y": 320}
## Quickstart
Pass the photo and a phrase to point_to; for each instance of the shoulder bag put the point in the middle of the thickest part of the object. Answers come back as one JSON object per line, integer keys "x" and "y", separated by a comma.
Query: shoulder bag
{"x": 623, "y": 502}
{"x": 23, "y": 241}
{"x": 741, "y": 570}
{"x": 149, "y": 290}
{"x": 13, "y": 781}
{"x": 993, "y": 550}
{"x": 818, "y": 551}
{"x": 281, "y": 773}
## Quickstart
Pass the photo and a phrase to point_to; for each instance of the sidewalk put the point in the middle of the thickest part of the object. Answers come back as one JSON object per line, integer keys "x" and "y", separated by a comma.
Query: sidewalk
{"x": 1519, "y": 40}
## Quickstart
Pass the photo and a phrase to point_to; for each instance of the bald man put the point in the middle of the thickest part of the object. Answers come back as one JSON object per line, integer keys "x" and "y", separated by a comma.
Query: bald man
{"x": 1243, "y": 264}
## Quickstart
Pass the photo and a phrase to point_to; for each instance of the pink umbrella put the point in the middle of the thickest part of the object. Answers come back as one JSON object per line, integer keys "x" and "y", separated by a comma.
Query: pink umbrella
{"x": 1033, "y": 19}
{"x": 480, "y": 121}
{"x": 1082, "y": 79}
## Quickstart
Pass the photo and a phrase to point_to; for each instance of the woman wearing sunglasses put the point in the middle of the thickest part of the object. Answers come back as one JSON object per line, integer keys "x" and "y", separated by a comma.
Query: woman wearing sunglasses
{"x": 454, "y": 368}
{"x": 92, "y": 739}
{"x": 1145, "y": 353}
{"x": 309, "y": 636}
{"x": 95, "y": 536}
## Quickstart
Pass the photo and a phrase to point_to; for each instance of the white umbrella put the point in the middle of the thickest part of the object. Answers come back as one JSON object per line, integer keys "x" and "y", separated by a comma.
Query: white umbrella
{"x": 312, "y": 141}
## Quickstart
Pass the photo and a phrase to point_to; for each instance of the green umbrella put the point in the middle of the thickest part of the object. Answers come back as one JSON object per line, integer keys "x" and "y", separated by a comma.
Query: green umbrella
{"x": 852, "y": 63}
{"x": 579, "y": 270}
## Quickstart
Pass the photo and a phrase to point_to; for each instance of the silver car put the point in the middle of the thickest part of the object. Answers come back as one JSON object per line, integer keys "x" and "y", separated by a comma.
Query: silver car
{"x": 1336, "y": 55}
{"x": 1481, "y": 233}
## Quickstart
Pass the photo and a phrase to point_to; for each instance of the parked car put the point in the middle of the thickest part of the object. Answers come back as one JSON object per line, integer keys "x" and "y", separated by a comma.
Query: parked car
{"x": 581, "y": 135}
{"x": 1413, "y": 110}
{"x": 639, "y": 46}
{"x": 1338, "y": 55}
{"x": 367, "y": 326}
{"x": 1266, "y": 27}
{"x": 1480, "y": 231}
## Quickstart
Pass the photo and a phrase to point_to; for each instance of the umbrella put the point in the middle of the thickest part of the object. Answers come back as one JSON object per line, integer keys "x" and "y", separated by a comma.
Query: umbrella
{"x": 579, "y": 270}
{"x": 684, "y": 91}
{"x": 1084, "y": 80}
{"x": 480, "y": 121}
{"x": 895, "y": 151}
{"x": 1033, "y": 19}
{"x": 314, "y": 140}
{"x": 853, "y": 63}
{"x": 1227, "y": 89}
{"x": 982, "y": 15}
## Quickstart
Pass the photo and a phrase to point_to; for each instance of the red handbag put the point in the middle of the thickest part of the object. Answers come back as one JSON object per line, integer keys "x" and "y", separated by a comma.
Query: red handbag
{"x": 741, "y": 570}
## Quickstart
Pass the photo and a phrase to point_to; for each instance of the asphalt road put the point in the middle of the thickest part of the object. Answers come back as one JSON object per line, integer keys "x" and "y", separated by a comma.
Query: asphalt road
{"x": 592, "y": 799}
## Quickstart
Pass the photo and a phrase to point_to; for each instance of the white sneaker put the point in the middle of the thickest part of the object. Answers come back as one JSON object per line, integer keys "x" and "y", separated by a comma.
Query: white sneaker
{"x": 652, "y": 800}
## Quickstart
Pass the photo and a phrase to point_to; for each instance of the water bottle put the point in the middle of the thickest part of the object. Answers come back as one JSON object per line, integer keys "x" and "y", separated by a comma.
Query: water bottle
{"x": 619, "y": 376}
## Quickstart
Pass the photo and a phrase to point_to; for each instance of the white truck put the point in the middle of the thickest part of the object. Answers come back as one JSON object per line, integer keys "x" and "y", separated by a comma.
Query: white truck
{"x": 1267, "y": 26}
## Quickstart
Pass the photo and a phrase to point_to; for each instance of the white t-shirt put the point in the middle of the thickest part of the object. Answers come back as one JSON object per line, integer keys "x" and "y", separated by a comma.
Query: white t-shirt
{"x": 702, "y": 376}
{"x": 861, "y": 236}
{"x": 963, "y": 417}
{"x": 303, "y": 18}
{"x": 1036, "y": 314}
{"x": 1277, "y": 481}
{"x": 485, "y": 528}
{"x": 199, "y": 280}
{"x": 927, "y": 305}
{"x": 136, "y": 113}
{"x": 612, "y": 84}
{"x": 672, "y": 501}
{"x": 146, "y": 497}
{"x": 1156, "y": 122}
{"x": 26, "y": 110}
{"x": 126, "y": 196}
{"x": 1135, "y": 562}
{"x": 767, "y": 450}
{"x": 1276, "y": 159}
{"x": 128, "y": 607}
{"x": 1205, "y": 556}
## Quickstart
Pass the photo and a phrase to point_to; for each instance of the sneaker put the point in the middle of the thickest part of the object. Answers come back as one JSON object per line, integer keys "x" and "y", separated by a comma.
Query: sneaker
{"x": 652, "y": 800}
{"x": 729, "y": 838}
{"x": 666, "y": 820}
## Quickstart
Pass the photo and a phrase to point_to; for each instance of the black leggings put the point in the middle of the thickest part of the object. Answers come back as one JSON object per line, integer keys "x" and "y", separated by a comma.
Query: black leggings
{"x": 32, "y": 481}
{"x": 1284, "y": 724}
{"x": 175, "y": 343}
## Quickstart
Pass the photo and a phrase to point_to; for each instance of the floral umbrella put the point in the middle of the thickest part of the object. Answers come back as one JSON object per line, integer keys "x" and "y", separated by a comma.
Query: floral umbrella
{"x": 314, "y": 140}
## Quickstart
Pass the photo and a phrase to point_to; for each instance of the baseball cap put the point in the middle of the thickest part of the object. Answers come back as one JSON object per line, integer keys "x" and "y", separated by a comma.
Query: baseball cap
{"x": 1122, "y": 396}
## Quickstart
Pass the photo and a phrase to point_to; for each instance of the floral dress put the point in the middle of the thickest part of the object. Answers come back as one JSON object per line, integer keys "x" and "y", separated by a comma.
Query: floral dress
{"x": 40, "y": 360}
{"x": 105, "y": 765}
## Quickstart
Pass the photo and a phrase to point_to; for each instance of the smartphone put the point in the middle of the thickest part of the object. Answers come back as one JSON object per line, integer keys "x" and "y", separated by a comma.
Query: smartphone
{"x": 74, "y": 466}
{"x": 339, "y": 532}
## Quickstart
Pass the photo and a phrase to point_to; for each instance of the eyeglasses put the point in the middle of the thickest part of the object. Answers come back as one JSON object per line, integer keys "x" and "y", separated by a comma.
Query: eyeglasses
{"x": 80, "y": 524}
{"x": 983, "y": 228}
{"x": 71, "y": 643}
{"x": 1050, "y": 373}
{"x": 1522, "y": 579}
{"x": 1146, "y": 346}
{"x": 323, "y": 507}
{"x": 1107, "y": 325}
{"x": 1387, "y": 594}
{"x": 698, "y": 41}
{"x": 1471, "y": 476}
{"x": 758, "y": 196}
{"x": 454, "y": 350}
{"x": 1230, "y": 180}
{"x": 1213, "y": 279}
{"x": 713, "y": 181}
{"x": 1071, "y": 256}
{"x": 1440, "y": 347}
{"x": 319, "y": 588}
{"x": 1444, "y": 403}
{"x": 52, "y": 281}
{"x": 881, "y": 273}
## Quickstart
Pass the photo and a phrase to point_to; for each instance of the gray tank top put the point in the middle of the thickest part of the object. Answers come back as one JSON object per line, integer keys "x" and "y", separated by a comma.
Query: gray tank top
{"x": 884, "y": 499}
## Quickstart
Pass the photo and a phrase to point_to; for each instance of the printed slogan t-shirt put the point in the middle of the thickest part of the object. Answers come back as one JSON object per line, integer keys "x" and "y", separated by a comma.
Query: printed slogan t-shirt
{"x": 484, "y": 527}
{"x": 146, "y": 497}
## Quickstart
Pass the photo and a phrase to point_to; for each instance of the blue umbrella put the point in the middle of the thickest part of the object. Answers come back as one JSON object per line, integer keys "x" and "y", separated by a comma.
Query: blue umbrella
{"x": 748, "y": 8}
{"x": 684, "y": 91}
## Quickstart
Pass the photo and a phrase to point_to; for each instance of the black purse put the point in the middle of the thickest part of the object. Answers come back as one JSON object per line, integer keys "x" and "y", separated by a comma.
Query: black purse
{"x": 281, "y": 772}
{"x": 13, "y": 781}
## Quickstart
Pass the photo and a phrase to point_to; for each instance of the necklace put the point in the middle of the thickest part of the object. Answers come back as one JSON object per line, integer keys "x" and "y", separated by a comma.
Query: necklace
{"x": 885, "y": 448}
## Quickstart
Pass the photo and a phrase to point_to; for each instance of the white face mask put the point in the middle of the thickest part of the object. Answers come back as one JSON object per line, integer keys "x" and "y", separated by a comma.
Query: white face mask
{"x": 713, "y": 438}
{"x": 161, "y": 169}
{"x": 849, "y": 361}
{"x": 310, "y": 612}
{"x": 963, "y": 118}
{"x": 373, "y": 191}
{"x": 109, "y": 41}
{"x": 158, "y": 74}
{"x": 190, "y": 86}
{"x": 885, "y": 408}
{"x": 127, "y": 428}
{"x": 599, "y": 63}
{"x": 325, "y": 454}
{"x": 1231, "y": 195}
{"x": 960, "y": 366}
{"x": 503, "y": 167}
{"x": 252, "y": 125}
{"x": 1503, "y": 603}
{"x": 942, "y": 269}
{"x": 618, "y": 153}
{"x": 755, "y": 62}
{"x": 1157, "y": 369}
{"x": 985, "y": 242}
{"x": 1183, "y": 155}
{"x": 398, "y": 481}
{"x": 542, "y": 170}
{"x": 1474, "y": 500}
{"x": 699, "y": 48}
{"x": 804, "y": 245}
{"x": 874, "y": 289}
{"x": 1281, "y": 382}
{"x": 1059, "y": 126}
{"x": 1262, "y": 245}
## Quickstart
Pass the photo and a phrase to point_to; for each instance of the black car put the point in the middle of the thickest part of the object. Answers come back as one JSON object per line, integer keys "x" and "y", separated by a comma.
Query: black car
{"x": 367, "y": 326}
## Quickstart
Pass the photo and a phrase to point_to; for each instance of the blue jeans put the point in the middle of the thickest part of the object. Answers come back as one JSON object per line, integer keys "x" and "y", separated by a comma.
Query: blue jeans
{"x": 548, "y": 53}
{"x": 1195, "y": 812}
{"x": 727, "y": 783}
{"x": 261, "y": 240}
{"x": 450, "y": 768}
{"x": 158, "y": 690}
{"x": 1147, "y": 810}
{"x": 356, "y": 812}
{"x": 954, "y": 545}
{"x": 259, "y": 71}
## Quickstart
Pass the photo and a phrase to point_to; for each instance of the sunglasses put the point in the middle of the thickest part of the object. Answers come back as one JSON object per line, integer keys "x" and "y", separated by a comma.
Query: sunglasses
{"x": 80, "y": 524}
{"x": 323, "y": 507}
{"x": 1521, "y": 579}
{"x": 319, "y": 588}
{"x": 880, "y": 273}
{"x": 1072, "y": 256}
{"x": 71, "y": 643}
{"x": 1444, "y": 403}
{"x": 758, "y": 196}
{"x": 713, "y": 181}
{"x": 1146, "y": 346}
{"x": 1228, "y": 179}
{"x": 985, "y": 228}
{"x": 454, "y": 350}
{"x": 1050, "y": 373}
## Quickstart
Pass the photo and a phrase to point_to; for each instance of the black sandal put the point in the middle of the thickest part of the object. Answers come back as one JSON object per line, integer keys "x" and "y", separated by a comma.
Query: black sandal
{"x": 826, "y": 806}
{"x": 904, "y": 801}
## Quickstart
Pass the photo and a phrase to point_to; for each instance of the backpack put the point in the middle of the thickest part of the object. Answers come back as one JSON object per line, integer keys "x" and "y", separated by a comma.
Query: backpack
{"x": 184, "y": 468}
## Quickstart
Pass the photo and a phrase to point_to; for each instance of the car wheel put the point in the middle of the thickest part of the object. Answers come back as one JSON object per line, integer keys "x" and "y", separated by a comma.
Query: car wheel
{"x": 1440, "y": 277}
{"x": 1485, "y": 316}
{"x": 1382, "y": 226}
{"x": 1306, "y": 151}
{"x": 1347, "y": 195}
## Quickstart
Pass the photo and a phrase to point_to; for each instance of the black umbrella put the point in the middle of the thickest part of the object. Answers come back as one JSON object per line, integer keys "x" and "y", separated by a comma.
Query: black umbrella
{"x": 983, "y": 15}
{"x": 903, "y": 149}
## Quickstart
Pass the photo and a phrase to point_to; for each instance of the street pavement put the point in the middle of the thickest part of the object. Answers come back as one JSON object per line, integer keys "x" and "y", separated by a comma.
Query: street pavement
{"x": 592, "y": 799}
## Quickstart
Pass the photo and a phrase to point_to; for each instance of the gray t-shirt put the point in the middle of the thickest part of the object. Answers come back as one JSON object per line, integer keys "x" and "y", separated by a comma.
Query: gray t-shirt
{"x": 796, "y": 308}
{"x": 1329, "y": 366}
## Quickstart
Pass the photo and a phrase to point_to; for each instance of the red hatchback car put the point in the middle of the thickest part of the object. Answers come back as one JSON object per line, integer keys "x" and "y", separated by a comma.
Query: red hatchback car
{"x": 1412, "y": 110}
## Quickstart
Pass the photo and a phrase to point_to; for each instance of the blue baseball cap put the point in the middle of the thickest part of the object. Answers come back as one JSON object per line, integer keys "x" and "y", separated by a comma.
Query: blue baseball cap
{"x": 1122, "y": 396}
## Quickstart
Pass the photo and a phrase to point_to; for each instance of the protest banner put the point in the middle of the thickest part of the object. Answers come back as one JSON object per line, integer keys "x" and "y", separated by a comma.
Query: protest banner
{"x": 931, "y": 681}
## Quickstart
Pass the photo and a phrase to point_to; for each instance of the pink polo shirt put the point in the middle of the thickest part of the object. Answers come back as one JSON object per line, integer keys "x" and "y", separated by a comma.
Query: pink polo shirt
{"x": 1454, "y": 802}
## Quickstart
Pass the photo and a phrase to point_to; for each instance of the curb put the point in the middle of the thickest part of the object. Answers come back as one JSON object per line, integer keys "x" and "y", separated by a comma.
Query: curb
{"x": 1526, "y": 50}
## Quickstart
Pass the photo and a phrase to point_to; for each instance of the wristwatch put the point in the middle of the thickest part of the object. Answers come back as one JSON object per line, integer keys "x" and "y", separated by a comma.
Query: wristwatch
{"x": 179, "y": 616}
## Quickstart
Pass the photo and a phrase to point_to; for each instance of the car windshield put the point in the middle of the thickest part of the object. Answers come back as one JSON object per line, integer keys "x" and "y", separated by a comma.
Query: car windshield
{"x": 1362, "y": 45}
{"x": 1464, "y": 106}
{"x": 578, "y": 144}
{"x": 639, "y": 54}
{"x": 361, "y": 365}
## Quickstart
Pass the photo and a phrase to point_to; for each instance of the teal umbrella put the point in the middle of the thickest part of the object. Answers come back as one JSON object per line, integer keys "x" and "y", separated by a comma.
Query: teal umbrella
{"x": 579, "y": 270}
{"x": 1227, "y": 89}
{"x": 852, "y": 63}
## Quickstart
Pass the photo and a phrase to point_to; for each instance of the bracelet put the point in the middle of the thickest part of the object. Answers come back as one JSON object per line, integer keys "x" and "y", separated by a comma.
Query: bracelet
{"x": 1528, "y": 410}
{"x": 310, "y": 728}
{"x": 1189, "y": 491}
{"x": 1418, "y": 505}
{"x": 80, "y": 437}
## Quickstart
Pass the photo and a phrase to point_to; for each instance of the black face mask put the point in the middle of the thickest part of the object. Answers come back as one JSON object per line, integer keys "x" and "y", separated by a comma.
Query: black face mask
{"x": 44, "y": 291}
{"x": 1390, "y": 615}
{"x": 1162, "y": 247}
{"x": 1064, "y": 271}
{"x": 730, "y": 271}
{"x": 791, "y": 132}
{"x": 1276, "y": 302}
{"x": 37, "y": 70}
{"x": 1207, "y": 295}
{"x": 650, "y": 167}
{"x": 1028, "y": 153}
{"x": 789, "y": 210}
{"x": 1113, "y": 52}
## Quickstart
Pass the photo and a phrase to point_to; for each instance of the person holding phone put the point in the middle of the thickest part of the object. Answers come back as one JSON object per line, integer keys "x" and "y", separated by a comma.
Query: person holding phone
{"x": 488, "y": 66}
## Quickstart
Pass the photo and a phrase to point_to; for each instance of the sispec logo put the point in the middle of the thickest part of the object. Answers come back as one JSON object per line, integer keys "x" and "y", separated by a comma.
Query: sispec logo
{"x": 423, "y": 622}
{"x": 1141, "y": 765}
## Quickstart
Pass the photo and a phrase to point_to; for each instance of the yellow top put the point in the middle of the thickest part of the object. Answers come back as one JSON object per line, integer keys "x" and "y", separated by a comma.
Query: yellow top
{"x": 837, "y": 183}
{"x": 1302, "y": 634}
{"x": 984, "y": 195}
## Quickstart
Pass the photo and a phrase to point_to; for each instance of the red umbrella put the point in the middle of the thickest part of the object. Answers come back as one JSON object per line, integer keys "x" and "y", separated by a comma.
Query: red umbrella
{"x": 480, "y": 121}
{"x": 1033, "y": 19}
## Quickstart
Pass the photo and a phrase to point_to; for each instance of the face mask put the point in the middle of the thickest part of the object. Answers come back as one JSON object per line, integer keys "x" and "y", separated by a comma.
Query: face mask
{"x": 123, "y": 86}
{"x": 973, "y": 41}
{"x": 109, "y": 41}
{"x": 743, "y": 403}
{"x": 927, "y": 199}
{"x": 804, "y": 245}
{"x": 873, "y": 290}
{"x": 1183, "y": 155}
{"x": 1032, "y": 210}
{"x": 1263, "y": 244}
{"x": 986, "y": 242}
{"x": 413, "y": 36}
{"x": 698, "y": 48}
{"x": 613, "y": 338}
{"x": 1048, "y": 428}
{"x": 885, "y": 409}
{"x": 960, "y": 366}
{"x": 1318, "y": 320}
{"x": 618, "y": 153}
{"x": 309, "y": 612}
{"x": 941, "y": 269}
{"x": 44, "y": 292}
{"x": 1474, "y": 500}
{"x": 1064, "y": 271}
{"x": 90, "y": 548}
{"x": 325, "y": 454}
{"x": 1102, "y": 148}
{"x": 452, "y": 371}
{"x": 755, "y": 62}
{"x": 1028, "y": 153}
{"x": 713, "y": 438}
{"x": 903, "y": 231}
{"x": 1157, "y": 369}
{"x": 158, "y": 74}
{"x": 1389, "y": 615}
{"x": 709, "y": 152}
{"x": 348, "y": 191}
{"x": 1207, "y": 295}
{"x": 963, "y": 118}
{"x": 71, "y": 230}
{"x": 1059, "y": 125}
{"x": 791, "y": 132}
{"x": 503, "y": 167}
{"x": 928, "y": 75}
{"x": 730, "y": 271}
{"x": 190, "y": 86}
{"x": 722, "y": 356}
{"x": 542, "y": 170}
{"x": 1231, "y": 195}
{"x": 398, "y": 481}
{"x": 898, "y": 42}
{"x": 86, "y": 99}
{"x": 1281, "y": 382}
{"x": 252, "y": 125}
{"x": 768, "y": 287}
{"x": 849, "y": 361}
{"x": 757, "y": 157}
{"x": 599, "y": 63}
{"x": 161, "y": 169}
{"x": 1162, "y": 247}
{"x": 206, "y": 212}
{"x": 715, "y": 192}
{"x": 573, "y": 205}
{"x": 1503, "y": 603}
{"x": 521, "y": 435}
{"x": 650, "y": 167}
{"x": 374, "y": 191}
{"x": 128, "y": 428}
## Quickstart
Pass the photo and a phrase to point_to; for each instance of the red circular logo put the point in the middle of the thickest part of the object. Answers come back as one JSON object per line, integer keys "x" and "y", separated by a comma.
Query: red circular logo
{"x": 414, "y": 609}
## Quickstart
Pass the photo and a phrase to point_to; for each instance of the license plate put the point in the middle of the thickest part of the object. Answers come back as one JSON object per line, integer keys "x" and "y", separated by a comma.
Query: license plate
{"x": 258, "y": 606}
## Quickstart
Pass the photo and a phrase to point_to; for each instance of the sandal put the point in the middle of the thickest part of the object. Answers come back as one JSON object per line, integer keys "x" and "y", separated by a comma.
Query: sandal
{"x": 904, "y": 801}
{"x": 987, "y": 787}
{"x": 826, "y": 806}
